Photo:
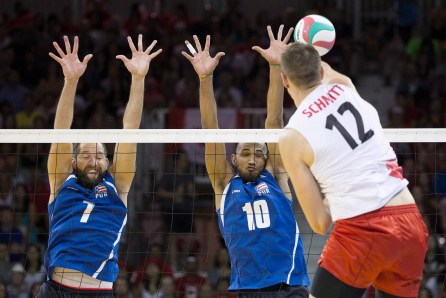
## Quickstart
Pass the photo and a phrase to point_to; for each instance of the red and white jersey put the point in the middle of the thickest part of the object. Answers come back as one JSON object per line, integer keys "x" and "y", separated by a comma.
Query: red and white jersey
{"x": 355, "y": 166}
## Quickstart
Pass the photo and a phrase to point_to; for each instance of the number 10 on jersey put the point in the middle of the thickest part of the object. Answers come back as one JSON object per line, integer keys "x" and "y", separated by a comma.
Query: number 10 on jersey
{"x": 257, "y": 215}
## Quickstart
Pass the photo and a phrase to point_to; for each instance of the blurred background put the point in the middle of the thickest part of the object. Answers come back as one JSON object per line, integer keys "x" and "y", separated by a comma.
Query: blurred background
{"x": 393, "y": 50}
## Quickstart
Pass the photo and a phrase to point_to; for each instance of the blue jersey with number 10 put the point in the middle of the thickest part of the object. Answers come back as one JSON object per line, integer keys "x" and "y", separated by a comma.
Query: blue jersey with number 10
{"x": 261, "y": 233}
{"x": 85, "y": 229}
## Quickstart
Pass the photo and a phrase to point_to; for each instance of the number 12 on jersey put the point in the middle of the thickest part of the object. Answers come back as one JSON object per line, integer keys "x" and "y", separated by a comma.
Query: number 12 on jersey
{"x": 362, "y": 135}
{"x": 257, "y": 215}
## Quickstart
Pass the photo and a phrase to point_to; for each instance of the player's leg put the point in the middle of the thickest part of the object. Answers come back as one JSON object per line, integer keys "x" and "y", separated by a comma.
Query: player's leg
{"x": 381, "y": 294}
{"x": 402, "y": 277}
{"x": 278, "y": 291}
{"x": 326, "y": 285}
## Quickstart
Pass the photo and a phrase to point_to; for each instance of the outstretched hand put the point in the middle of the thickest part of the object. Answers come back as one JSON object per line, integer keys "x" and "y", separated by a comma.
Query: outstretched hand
{"x": 139, "y": 64}
{"x": 72, "y": 67}
{"x": 276, "y": 47}
{"x": 201, "y": 60}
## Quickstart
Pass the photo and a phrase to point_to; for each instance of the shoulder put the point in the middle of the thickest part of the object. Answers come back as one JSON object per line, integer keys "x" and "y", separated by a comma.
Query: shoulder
{"x": 293, "y": 145}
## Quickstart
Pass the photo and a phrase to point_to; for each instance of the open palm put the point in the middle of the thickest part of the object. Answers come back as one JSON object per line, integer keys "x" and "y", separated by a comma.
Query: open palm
{"x": 139, "y": 64}
{"x": 276, "y": 47}
{"x": 202, "y": 61}
{"x": 72, "y": 67}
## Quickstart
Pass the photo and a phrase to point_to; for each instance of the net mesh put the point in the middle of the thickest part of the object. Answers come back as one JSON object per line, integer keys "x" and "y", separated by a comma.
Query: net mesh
{"x": 172, "y": 224}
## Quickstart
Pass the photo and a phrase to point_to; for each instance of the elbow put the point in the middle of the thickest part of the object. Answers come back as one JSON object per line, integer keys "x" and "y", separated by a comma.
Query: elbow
{"x": 322, "y": 226}
{"x": 321, "y": 230}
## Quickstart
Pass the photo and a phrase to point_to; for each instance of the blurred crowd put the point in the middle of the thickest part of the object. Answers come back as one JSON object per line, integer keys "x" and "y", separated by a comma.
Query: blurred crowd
{"x": 407, "y": 53}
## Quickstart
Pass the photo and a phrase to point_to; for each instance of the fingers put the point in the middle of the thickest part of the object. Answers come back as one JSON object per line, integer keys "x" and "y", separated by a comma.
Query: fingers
{"x": 187, "y": 56}
{"x": 197, "y": 43}
{"x": 58, "y": 49}
{"x": 218, "y": 56}
{"x": 208, "y": 43}
{"x": 288, "y": 35}
{"x": 149, "y": 49}
{"x": 75, "y": 45}
{"x": 153, "y": 55}
{"x": 55, "y": 57}
{"x": 279, "y": 34}
{"x": 258, "y": 49}
{"x": 122, "y": 58}
{"x": 270, "y": 33}
{"x": 132, "y": 46}
{"x": 140, "y": 43}
{"x": 190, "y": 47}
{"x": 67, "y": 44}
{"x": 86, "y": 59}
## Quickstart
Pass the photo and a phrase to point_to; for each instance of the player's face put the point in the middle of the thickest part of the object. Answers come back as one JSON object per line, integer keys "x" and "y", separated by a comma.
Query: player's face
{"x": 250, "y": 160}
{"x": 90, "y": 164}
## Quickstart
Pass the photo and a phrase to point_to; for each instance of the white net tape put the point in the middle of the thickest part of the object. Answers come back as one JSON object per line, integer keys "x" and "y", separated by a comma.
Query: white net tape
{"x": 428, "y": 135}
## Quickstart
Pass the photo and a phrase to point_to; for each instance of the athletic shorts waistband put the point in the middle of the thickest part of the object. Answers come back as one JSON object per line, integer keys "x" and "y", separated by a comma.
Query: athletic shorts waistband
{"x": 388, "y": 210}
{"x": 71, "y": 289}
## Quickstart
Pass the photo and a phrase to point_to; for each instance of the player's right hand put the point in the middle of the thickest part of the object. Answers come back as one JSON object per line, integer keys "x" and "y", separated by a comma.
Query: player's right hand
{"x": 201, "y": 60}
{"x": 72, "y": 67}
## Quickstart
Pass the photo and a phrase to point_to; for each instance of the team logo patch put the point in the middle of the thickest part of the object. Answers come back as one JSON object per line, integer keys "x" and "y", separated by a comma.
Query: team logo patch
{"x": 100, "y": 191}
{"x": 262, "y": 188}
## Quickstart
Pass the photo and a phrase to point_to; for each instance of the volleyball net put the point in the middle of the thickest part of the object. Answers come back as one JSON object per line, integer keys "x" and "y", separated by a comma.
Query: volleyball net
{"x": 172, "y": 222}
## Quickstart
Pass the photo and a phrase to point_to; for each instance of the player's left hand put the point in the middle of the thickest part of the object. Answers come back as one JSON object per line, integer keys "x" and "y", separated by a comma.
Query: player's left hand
{"x": 276, "y": 47}
{"x": 139, "y": 64}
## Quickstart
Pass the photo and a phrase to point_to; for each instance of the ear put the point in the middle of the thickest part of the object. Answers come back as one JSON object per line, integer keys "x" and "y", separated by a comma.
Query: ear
{"x": 73, "y": 163}
{"x": 234, "y": 160}
{"x": 107, "y": 163}
{"x": 285, "y": 81}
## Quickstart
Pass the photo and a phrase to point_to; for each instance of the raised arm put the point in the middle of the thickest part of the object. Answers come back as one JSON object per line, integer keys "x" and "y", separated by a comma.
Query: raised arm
{"x": 218, "y": 168}
{"x": 274, "y": 118}
{"x": 124, "y": 160}
{"x": 298, "y": 157}
{"x": 59, "y": 159}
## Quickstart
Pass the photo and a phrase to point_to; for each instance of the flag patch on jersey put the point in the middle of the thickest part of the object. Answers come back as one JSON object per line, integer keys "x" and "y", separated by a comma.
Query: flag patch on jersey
{"x": 101, "y": 191}
{"x": 262, "y": 188}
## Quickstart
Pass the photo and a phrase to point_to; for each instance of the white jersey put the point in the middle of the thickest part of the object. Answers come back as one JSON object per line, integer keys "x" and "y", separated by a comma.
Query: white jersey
{"x": 353, "y": 163}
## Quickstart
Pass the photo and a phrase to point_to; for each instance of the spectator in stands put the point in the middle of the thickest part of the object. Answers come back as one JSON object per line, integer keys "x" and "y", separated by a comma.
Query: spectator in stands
{"x": 34, "y": 291}
{"x": 11, "y": 235}
{"x": 5, "y": 264}
{"x": 221, "y": 269}
{"x": 176, "y": 191}
{"x": 22, "y": 211}
{"x": 25, "y": 116}
{"x": 13, "y": 91}
{"x": 167, "y": 287}
{"x": 206, "y": 291}
{"x": 17, "y": 287}
{"x": 3, "y": 290}
{"x": 151, "y": 280}
{"x": 34, "y": 270}
{"x": 189, "y": 283}
{"x": 122, "y": 288}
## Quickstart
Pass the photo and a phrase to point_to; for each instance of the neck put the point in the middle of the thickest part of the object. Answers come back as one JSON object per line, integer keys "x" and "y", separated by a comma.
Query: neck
{"x": 301, "y": 93}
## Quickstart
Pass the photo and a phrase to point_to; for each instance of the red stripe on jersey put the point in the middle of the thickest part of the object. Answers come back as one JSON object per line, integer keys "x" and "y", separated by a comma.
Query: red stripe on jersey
{"x": 395, "y": 170}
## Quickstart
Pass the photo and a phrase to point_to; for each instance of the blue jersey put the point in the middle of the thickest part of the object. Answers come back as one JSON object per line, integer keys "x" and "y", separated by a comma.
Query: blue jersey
{"x": 260, "y": 231}
{"x": 85, "y": 229}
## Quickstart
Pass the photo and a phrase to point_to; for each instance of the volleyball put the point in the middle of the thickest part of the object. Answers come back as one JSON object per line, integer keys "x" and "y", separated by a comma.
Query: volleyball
{"x": 316, "y": 30}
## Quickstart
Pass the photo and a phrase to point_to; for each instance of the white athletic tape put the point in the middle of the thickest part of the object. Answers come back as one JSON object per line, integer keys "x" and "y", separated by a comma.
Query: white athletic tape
{"x": 191, "y": 49}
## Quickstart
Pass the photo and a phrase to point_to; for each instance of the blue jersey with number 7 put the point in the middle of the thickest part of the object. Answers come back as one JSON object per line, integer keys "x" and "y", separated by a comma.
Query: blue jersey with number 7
{"x": 257, "y": 223}
{"x": 85, "y": 229}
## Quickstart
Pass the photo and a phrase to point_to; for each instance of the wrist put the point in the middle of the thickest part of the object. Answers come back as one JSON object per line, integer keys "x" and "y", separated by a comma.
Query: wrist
{"x": 206, "y": 75}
